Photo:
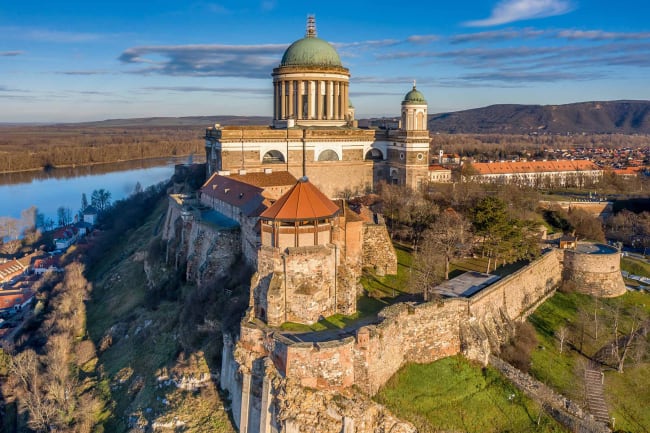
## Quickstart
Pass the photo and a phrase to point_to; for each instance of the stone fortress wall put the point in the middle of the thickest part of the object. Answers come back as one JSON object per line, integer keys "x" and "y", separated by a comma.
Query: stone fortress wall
{"x": 209, "y": 252}
{"x": 595, "y": 270}
{"x": 366, "y": 357}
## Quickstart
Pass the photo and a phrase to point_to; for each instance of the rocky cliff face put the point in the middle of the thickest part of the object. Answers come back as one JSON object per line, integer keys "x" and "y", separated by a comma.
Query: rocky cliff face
{"x": 206, "y": 251}
{"x": 304, "y": 410}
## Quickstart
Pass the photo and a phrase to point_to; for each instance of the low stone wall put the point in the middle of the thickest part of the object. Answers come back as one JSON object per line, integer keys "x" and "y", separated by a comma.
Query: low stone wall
{"x": 565, "y": 411}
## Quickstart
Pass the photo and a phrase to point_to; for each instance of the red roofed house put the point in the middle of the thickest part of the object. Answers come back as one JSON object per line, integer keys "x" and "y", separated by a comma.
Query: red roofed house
{"x": 47, "y": 264}
{"x": 65, "y": 236}
{"x": 538, "y": 173}
{"x": 439, "y": 174}
{"x": 16, "y": 267}
{"x": 11, "y": 300}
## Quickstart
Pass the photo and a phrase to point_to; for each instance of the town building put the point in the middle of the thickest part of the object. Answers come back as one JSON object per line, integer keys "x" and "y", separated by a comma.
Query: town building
{"x": 439, "y": 174}
{"x": 537, "y": 173}
{"x": 314, "y": 132}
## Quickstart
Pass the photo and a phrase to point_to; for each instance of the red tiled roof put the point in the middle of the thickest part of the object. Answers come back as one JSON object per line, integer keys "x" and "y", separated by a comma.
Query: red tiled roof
{"x": 303, "y": 202}
{"x": 11, "y": 300}
{"x": 533, "y": 166}
{"x": 264, "y": 180}
{"x": 436, "y": 167}
{"x": 246, "y": 197}
{"x": 628, "y": 171}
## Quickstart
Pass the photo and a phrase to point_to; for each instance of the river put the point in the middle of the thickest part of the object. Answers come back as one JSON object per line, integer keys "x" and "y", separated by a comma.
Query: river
{"x": 63, "y": 187}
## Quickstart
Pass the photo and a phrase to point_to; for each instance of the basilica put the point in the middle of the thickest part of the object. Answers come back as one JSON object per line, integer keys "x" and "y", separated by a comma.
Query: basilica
{"x": 314, "y": 132}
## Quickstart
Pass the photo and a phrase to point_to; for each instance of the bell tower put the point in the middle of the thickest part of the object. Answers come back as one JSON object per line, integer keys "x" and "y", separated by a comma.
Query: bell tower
{"x": 409, "y": 161}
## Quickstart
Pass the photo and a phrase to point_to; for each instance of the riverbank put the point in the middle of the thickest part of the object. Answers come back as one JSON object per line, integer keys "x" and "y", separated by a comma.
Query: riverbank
{"x": 49, "y": 170}
{"x": 35, "y": 147}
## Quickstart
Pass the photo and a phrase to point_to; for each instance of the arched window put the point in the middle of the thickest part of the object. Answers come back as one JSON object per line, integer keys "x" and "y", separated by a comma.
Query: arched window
{"x": 328, "y": 155}
{"x": 420, "y": 122}
{"x": 374, "y": 155}
{"x": 273, "y": 157}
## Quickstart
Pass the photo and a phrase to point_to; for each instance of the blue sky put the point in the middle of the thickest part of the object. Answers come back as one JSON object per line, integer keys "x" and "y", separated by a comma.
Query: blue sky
{"x": 77, "y": 61}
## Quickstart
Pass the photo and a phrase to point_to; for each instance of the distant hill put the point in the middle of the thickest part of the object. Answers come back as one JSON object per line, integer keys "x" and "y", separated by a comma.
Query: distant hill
{"x": 198, "y": 121}
{"x": 622, "y": 117}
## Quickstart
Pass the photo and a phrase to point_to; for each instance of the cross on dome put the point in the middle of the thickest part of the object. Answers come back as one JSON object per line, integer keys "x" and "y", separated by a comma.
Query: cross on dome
{"x": 311, "y": 26}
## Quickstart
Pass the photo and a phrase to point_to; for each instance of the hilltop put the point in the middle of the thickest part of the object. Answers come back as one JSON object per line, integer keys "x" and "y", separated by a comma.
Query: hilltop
{"x": 606, "y": 117}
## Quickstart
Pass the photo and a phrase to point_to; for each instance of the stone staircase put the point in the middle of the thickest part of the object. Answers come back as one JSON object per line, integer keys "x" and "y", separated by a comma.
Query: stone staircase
{"x": 595, "y": 394}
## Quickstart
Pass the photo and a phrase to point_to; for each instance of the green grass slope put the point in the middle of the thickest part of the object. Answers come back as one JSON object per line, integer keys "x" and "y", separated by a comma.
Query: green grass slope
{"x": 589, "y": 323}
{"x": 455, "y": 395}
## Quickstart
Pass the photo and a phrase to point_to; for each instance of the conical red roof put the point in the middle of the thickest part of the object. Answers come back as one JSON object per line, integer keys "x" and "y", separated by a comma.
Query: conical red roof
{"x": 302, "y": 202}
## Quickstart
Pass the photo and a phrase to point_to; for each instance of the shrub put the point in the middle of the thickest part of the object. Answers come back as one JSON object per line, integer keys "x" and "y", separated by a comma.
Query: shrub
{"x": 518, "y": 349}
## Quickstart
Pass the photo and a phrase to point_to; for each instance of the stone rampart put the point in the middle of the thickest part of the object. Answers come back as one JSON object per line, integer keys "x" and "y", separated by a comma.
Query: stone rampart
{"x": 378, "y": 251}
{"x": 517, "y": 292}
{"x": 407, "y": 333}
{"x": 596, "y": 274}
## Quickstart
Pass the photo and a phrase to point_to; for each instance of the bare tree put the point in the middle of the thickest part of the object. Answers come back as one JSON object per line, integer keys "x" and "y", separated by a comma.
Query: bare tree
{"x": 448, "y": 237}
{"x": 562, "y": 333}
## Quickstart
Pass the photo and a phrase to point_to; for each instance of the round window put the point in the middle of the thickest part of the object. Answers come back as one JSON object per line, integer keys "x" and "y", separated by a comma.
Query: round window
{"x": 420, "y": 157}
{"x": 401, "y": 156}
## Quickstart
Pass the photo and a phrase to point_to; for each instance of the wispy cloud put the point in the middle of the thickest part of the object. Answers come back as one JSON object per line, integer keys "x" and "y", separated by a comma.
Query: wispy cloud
{"x": 11, "y": 53}
{"x": 530, "y": 77}
{"x": 48, "y": 35}
{"x": 422, "y": 39}
{"x": 498, "y": 35}
{"x": 601, "y": 35}
{"x": 508, "y": 11}
{"x": 99, "y": 72}
{"x": 255, "y": 92}
{"x": 249, "y": 61}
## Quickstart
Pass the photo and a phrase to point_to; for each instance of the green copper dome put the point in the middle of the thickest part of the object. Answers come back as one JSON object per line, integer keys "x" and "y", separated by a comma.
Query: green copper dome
{"x": 311, "y": 51}
{"x": 414, "y": 97}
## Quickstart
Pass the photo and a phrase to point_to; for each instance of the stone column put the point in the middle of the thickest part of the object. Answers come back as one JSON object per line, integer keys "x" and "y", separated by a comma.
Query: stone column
{"x": 312, "y": 99}
{"x": 275, "y": 99}
{"x": 336, "y": 100}
{"x": 345, "y": 102}
{"x": 299, "y": 83}
{"x": 319, "y": 92}
{"x": 283, "y": 107}
{"x": 291, "y": 99}
{"x": 330, "y": 99}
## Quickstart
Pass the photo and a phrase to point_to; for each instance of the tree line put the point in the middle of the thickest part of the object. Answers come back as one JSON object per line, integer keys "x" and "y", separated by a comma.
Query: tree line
{"x": 34, "y": 147}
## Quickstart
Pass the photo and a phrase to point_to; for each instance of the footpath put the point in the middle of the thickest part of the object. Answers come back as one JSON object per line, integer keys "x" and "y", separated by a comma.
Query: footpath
{"x": 563, "y": 410}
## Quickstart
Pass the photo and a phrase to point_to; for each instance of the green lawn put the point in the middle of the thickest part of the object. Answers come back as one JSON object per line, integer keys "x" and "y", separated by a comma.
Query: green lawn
{"x": 635, "y": 267}
{"x": 390, "y": 286}
{"x": 627, "y": 394}
{"x": 455, "y": 395}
